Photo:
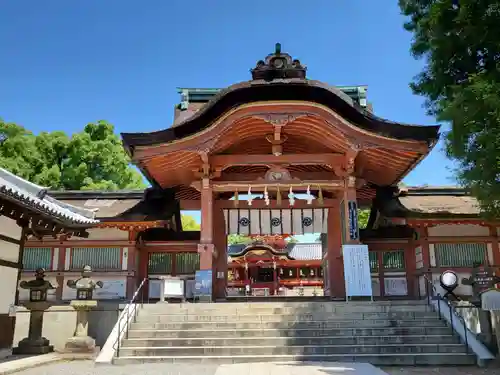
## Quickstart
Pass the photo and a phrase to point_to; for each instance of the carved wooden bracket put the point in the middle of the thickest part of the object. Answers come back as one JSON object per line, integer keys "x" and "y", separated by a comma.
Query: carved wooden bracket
{"x": 279, "y": 119}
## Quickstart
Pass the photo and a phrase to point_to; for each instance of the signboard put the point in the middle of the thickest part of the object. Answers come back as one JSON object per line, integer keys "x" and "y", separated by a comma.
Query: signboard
{"x": 358, "y": 281}
{"x": 395, "y": 286}
{"x": 482, "y": 279}
{"x": 173, "y": 287}
{"x": 203, "y": 283}
{"x": 490, "y": 300}
{"x": 353, "y": 220}
{"x": 154, "y": 288}
{"x": 111, "y": 289}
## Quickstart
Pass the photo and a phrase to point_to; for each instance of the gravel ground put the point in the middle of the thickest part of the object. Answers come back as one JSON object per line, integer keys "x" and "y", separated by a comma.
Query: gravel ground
{"x": 88, "y": 368}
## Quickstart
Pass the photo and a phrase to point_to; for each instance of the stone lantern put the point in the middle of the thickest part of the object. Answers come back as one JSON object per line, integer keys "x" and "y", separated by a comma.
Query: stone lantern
{"x": 81, "y": 342}
{"x": 37, "y": 305}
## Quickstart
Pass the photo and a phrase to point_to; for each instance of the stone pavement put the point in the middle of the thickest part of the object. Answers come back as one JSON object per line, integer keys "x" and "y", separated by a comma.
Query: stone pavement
{"x": 88, "y": 368}
{"x": 85, "y": 367}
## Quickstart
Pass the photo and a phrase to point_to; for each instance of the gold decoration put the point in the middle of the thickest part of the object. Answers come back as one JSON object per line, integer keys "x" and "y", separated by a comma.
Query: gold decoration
{"x": 278, "y": 197}
{"x": 320, "y": 196}
{"x": 236, "y": 199}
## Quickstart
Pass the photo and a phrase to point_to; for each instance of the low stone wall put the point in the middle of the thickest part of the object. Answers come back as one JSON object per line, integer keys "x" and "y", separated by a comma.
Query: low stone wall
{"x": 59, "y": 323}
{"x": 475, "y": 323}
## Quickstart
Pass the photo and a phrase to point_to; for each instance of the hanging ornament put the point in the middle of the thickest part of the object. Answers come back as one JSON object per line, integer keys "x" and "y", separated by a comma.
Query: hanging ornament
{"x": 281, "y": 271}
{"x": 291, "y": 197}
{"x": 236, "y": 199}
{"x": 312, "y": 272}
{"x": 278, "y": 197}
{"x": 320, "y": 196}
{"x": 309, "y": 195}
{"x": 250, "y": 198}
{"x": 266, "y": 196}
{"x": 290, "y": 273}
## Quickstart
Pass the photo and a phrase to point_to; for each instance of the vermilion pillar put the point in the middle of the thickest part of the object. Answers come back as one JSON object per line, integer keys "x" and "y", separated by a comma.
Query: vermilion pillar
{"x": 206, "y": 247}
{"x": 334, "y": 255}
{"x": 220, "y": 242}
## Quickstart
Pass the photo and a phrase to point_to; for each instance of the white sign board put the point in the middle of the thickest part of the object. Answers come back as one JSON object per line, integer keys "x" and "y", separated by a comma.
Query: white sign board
{"x": 173, "y": 288}
{"x": 358, "y": 280}
{"x": 112, "y": 288}
{"x": 395, "y": 286}
{"x": 490, "y": 300}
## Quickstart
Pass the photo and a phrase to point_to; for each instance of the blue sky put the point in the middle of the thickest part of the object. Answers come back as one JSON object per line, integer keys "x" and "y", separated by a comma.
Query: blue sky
{"x": 67, "y": 63}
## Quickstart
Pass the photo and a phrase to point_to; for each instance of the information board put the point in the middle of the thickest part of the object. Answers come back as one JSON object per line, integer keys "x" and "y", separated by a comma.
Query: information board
{"x": 358, "y": 281}
{"x": 203, "y": 283}
{"x": 173, "y": 287}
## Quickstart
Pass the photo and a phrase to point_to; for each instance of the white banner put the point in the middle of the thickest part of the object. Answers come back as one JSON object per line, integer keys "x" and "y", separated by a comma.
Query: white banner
{"x": 358, "y": 281}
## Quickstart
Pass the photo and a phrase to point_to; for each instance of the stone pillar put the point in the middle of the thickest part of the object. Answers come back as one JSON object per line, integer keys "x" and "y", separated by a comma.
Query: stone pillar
{"x": 35, "y": 343}
{"x": 81, "y": 342}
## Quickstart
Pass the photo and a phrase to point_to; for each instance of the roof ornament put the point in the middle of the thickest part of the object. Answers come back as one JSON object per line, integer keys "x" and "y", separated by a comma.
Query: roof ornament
{"x": 278, "y": 65}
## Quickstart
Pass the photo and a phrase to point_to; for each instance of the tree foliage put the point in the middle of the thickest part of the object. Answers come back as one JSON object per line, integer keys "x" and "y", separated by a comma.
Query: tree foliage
{"x": 459, "y": 41}
{"x": 363, "y": 216}
{"x": 189, "y": 223}
{"x": 93, "y": 159}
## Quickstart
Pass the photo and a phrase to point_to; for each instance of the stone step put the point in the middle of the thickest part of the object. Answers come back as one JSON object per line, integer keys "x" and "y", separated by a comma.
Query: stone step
{"x": 260, "y": 350}
{"x": 293, "y": 332}
{"x": 414, "y": 359}
{"x": 207, "y": 309}
{"x": 368, "y": 323}
{"x": 284, "y": 341}
{"x": 319, "y": 316}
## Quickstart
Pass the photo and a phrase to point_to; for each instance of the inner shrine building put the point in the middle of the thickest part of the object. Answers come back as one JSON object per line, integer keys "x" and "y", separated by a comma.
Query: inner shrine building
{"x": 279, "y": 155}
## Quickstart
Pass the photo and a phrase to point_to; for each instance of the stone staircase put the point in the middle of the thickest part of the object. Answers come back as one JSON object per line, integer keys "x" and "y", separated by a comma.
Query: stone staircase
{"x": 381, "y": 333}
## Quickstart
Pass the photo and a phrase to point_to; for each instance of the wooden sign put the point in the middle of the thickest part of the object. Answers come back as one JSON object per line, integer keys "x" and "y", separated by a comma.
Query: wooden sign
{"x": 482, "y": 279}
{"x": 353, "y": 220}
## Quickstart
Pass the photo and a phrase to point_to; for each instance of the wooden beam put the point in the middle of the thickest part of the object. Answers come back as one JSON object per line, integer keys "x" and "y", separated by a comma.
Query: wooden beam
{"x": 259, "y": 203}
{"x": 224, "y": 161}
{"x": 301, "y": 176}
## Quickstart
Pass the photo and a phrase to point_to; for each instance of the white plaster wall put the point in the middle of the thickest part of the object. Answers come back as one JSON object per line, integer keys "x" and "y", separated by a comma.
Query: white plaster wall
{"x": 24, "y": 294}
{"x": 59, "y": 324}
{"x": 9, "y": 251}
{"x": 432, "y": 255}
{"x": 104, "y": 234}
{"x": 465, "y": 230}
{"x": 8, "y": 282}
{"x": 9, "y": 228}
{"x": 489, "y": 246}
{"x": 114, "y": 287}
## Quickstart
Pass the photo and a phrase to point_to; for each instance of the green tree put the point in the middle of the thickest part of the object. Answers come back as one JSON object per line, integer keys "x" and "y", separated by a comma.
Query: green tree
{"x": 91, "y": 159}
{"x": 189, "y": 223}
{"x": 458, "y": 39}
{"x": 363, "y": 216}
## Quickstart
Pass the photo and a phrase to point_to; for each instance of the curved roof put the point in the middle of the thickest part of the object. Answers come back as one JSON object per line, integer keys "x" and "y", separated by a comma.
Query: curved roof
{"x": 294, "y": 251}
{"x": 294, "y": 89}
{"x": 36, "y": 198}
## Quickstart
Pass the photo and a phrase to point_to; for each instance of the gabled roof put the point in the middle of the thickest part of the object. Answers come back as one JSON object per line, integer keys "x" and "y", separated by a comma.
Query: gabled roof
{"x": 36, "y": 198}
{"x": 277, "y": 78}
{"x": 124, "y": 205}
{"x": 428, "y": 202}
{"x": 282, "y": 90}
